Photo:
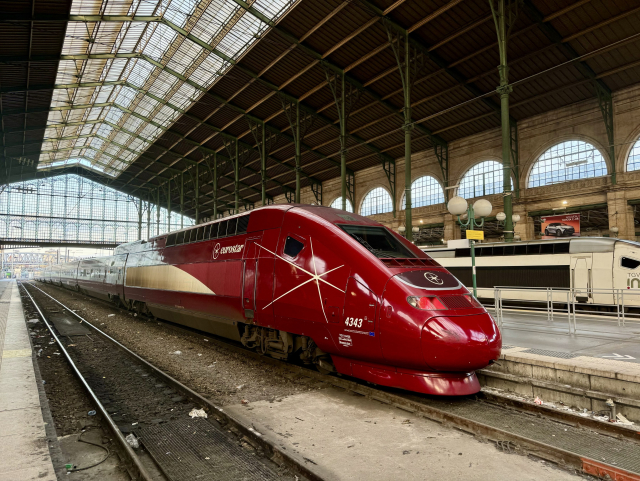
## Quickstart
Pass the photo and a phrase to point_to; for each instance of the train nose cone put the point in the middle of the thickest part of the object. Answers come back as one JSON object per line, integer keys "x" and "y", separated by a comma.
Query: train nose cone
{"x": 460, "y": 343}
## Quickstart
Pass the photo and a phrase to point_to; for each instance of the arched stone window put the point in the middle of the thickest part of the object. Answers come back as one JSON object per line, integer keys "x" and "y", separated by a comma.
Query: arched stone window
{"x": 484, "y": 178}
{"x": 424, "y": 191}
{"x": 570, "y": 160}
{"x": 337, "y": 204}
{"x": 633, "y": 162}
{"x": 378, "y": 201}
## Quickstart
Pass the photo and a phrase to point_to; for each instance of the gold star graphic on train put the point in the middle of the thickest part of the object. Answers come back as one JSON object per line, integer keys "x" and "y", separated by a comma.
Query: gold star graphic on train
{"x": 314, "y": 277}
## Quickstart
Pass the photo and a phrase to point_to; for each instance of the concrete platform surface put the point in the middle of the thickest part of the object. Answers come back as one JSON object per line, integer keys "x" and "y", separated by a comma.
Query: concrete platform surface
{"x": 24, "y": 452}
{"x": 342, "y": 436}
{"x": 594, "y": 336}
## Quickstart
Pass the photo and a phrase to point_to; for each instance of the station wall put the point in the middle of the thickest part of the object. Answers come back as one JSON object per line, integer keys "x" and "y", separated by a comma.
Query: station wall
{"x": 581, "y": 121}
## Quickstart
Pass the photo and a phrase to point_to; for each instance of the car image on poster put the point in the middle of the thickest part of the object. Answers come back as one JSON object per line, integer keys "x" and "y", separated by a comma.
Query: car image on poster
{"x": 555, "y": 226}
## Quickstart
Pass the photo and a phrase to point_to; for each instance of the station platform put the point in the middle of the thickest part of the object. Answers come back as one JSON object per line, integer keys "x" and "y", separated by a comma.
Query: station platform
{"x": 24, "y": 452}
{"x": 339, "y": 435}
{"x": 581, "y": 366}
{"x": 600, "y": 336}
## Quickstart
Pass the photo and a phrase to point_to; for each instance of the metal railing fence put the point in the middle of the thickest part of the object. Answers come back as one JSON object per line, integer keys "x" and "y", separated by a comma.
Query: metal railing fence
{"x": 565, "y": 303}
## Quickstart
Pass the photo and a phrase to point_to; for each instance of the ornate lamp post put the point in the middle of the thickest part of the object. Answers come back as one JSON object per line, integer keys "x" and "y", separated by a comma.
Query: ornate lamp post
{"x": 481, "y": 208}
{"x": 515, "y": 218}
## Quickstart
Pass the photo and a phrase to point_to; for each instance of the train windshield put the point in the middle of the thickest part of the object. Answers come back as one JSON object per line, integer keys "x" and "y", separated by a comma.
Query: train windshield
{"x": 378, "y": 240}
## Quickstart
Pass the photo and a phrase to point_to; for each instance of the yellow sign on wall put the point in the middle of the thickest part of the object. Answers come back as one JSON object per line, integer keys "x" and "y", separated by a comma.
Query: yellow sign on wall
{"x": 475, "y": 234}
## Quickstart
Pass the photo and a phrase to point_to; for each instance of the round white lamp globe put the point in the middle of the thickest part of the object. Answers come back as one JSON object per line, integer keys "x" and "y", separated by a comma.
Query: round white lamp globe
{"x": 482, "y": 208}
{"x": 515, "y": 218}
{"x": 457, "y": 205}
{"x": 501, "y": 216}
{"x": 614, "y": 229}
{"x": 401, "y": 229}
{"x": 415, "y": 230}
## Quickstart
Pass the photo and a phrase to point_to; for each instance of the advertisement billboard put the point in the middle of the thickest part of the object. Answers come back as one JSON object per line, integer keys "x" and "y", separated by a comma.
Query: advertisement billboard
{"x": 563, "y": 225}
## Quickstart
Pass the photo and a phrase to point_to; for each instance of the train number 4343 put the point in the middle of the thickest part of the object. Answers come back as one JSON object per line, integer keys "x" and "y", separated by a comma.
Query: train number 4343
{"x": 353, "y": 322}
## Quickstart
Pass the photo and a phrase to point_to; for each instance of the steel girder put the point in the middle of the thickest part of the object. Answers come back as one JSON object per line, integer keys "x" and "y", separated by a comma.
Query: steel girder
{"x": 183, "y": 112}
{"x": 204, "y": 45}
{"x": 192, "y": 162}
{"x": 337, "y": 69}
{"x": 155, "y": 124}
{"x": 603, "y": 92}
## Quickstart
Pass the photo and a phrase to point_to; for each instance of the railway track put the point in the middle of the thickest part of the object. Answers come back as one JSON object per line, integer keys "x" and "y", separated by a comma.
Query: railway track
{"x": 572, "y": 442}
{"x": 136, "y": 398}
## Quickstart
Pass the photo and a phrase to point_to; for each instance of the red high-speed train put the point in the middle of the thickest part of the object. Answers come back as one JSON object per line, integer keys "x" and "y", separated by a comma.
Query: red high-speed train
{"x": 330, "y": 287}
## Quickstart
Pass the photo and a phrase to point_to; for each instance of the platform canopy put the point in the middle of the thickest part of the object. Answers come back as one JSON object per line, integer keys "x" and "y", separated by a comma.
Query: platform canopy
{"x": 172, "y": 93}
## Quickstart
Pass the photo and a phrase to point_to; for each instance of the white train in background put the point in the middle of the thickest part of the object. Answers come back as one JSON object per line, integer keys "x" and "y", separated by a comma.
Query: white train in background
{"x": 593, "y": 266}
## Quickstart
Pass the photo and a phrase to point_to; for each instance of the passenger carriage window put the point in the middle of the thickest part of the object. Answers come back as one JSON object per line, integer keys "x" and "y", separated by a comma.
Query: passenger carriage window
{"x": 520, "y": 250}
{"x": 561, "y": 248}
{"x": 533, "y": 249}
{"x": 171, "y": 240}
{"x": 200, "y": 233}
{"x": 179, "y": 238}
{"x": 243, "y": 223}
{"x": 292, "y": 247}
{"x": 231, "y": 228}
{"x": 629, "y": 263}
{"x": 222, "y": 232}
{"x": 214, "y": 231}
{"x": 546, "y": 249}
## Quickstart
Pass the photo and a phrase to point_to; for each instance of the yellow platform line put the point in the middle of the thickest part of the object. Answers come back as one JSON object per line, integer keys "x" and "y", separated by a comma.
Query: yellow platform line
{"x": 16, "y": 353}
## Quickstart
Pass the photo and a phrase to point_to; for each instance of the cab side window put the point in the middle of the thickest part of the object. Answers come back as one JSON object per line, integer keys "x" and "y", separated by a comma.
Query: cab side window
{"x": 292, "y": 247}
{"x": 629, "y": 263}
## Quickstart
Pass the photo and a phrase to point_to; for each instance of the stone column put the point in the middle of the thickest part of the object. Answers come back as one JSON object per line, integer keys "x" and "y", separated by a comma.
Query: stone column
{"x": 451, "y": 228}
{"x": 522, "y": 228}
{"x": 621, "y": 214}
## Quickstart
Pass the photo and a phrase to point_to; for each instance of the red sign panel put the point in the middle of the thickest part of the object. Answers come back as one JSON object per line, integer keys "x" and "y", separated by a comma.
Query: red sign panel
{"x": 557, "y": 226}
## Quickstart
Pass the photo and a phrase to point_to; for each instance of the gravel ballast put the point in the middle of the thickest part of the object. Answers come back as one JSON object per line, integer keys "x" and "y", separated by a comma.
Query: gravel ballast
{"x": 219, "y": 374}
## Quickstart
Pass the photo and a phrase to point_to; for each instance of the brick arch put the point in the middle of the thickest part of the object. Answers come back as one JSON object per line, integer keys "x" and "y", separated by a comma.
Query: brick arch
{"x": 340, "y": 207}
{"x": 627, "y": 147}
{"x": 413, "y": 181}
{"x": 527, "y": 166}
{"x": 486, "y": 158}
{"x": 364, "y": 197}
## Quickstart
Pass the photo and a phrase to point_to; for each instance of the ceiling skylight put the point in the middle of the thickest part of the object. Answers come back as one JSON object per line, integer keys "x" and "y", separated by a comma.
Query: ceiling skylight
{"x": 130, "y": 80}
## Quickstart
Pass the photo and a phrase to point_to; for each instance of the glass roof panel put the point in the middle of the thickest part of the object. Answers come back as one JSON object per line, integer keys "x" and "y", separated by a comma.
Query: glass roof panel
{"x": 153, "y": 60}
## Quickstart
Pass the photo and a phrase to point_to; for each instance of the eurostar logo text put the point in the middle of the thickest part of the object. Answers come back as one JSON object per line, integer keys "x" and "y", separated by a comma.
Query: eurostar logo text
{"x": 217, "y": 250}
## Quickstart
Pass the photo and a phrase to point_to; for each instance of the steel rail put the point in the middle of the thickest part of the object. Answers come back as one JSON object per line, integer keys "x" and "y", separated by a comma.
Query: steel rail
{"x": 214, "y": 410}
{"x": 409, "y": 403}
{"x": 134, "y": 462}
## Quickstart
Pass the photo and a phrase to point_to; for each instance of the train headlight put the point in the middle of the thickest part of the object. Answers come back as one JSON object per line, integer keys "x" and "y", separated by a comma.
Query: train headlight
{"x": 430, "y": 303}
{"x": 473, "y": 301}
{"x": 434, "y": 303}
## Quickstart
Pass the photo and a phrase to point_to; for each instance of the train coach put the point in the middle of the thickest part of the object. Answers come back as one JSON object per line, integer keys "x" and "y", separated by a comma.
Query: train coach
{"x": 332, "y": 288}
{"x": 592, "y": 266}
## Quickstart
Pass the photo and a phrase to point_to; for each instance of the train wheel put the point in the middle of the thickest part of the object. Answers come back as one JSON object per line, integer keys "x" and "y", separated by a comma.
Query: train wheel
{"x": 546, "y": 232}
